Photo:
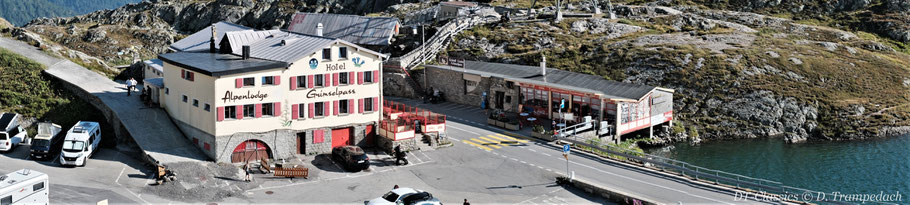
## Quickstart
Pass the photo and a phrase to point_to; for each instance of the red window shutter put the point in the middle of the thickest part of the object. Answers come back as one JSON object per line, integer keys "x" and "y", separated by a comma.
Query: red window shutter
{"x": 183, "y": 73}
{"x": 277, "y": 80}
{"x": 277, "y": 108}
{"x": 239, "y": 112}
{"x": 192, "y": 76}
{"x": 335, "y": 78}
{"x": 258, "y": 110}
{"x": 312, "y": 110}
{"x": 293, "y": 82}
{"x": 220, "y": 111}
{"x": 359, "y": 78}
{"x": 325, "y": 109}
{"x": 335, "y": 107}
{"x": 327, "y": 79}
{"x": 294, "y": 111}
{"x": 238, "y": 83}
{"x": 317, "y": 136}
{"x": 376, "y": 76}
{"x": 376, "y": 104}
{"x": 350, "y": 106}
{"x": 351, "y": 78}
{"x": 360, "y": 105}
{"x": 310, "y": 80}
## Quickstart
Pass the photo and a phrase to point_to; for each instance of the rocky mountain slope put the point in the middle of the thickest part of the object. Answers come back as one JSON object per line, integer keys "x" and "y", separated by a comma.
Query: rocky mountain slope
{"x": 736, "y": 74}
{"x": 20, "y": 12}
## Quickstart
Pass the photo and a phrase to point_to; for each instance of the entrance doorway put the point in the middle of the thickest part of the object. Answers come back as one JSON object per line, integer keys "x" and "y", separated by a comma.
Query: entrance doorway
{"x": 500, "y": 97}
{"x": 250, "y": 150}
{"x": 301, "y": 143}
{"x": 341, "y": 137}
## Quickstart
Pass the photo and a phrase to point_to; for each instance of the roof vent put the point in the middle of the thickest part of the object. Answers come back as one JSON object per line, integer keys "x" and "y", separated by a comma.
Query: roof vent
{"x": 319, "y": 29}
{"x": 543, "y": 65}
{"x": 246, "y": 52}
{"x": 288, "y": 41}
{"x": 212, "y": 40}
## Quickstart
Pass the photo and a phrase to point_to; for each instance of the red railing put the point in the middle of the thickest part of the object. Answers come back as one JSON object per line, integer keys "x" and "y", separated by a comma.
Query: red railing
{"x": 401, "y": 114}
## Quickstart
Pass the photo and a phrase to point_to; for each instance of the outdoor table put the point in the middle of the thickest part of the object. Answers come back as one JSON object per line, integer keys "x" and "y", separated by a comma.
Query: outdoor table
{"x": 531, "y": 120}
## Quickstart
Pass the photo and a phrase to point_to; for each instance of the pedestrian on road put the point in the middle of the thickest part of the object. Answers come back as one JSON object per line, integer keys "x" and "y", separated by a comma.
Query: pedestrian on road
{"x": 129, "y": 86}
{"x": 246, "y": 169}
{"x": 466, "y": 202}
{"x": 396, "y": 187}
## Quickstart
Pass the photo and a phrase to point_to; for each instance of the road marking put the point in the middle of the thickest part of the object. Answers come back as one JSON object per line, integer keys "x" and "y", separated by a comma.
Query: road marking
{"x": 546, "y": 154}
{"x": 493, "y": 141}
{"x": 427, "y": 156}
{"x": 505, "y": 141}
{"x": 523, "y": 162}
{"x": 485, "y": 143}
{"x": 519, "y": 140}
{"x": 415, "y": 156}
{"x": 477, "y": 145}
{"x": 57, "y": 157}
{"x": 464, "y": 130}
{"x": 119, "y": 175}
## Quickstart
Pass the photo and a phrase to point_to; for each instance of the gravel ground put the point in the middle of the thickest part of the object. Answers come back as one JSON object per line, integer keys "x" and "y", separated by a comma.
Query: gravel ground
{"x": 203, "y": 182}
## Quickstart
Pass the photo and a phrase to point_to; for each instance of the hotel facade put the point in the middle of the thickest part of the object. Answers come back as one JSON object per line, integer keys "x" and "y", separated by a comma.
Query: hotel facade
{"x": 273, "y": 94}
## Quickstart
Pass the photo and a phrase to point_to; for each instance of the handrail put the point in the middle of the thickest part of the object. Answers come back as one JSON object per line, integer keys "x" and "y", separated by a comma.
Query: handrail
{"x": 738, "y": 181}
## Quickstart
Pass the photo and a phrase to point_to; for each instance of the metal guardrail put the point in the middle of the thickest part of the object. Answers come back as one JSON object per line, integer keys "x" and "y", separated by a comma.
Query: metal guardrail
{"x": 747, "y": 184}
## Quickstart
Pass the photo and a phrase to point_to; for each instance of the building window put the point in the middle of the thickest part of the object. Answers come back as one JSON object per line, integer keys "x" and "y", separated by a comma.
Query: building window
{"x": 301, "y": 112}
{"x": 230, "y": 112}
{"x": 167, "y": 91}
{"x": 320, "y": 82}
{"x": 185, "y": 98}
{"x": 38, "y": 186}
{"x": 343, "y": 107}
{"x": 207, "y": 107}
{"x": 268, "y": 80}
{"x": 368, "y": 77}
{"x": 249, "y": 111}
{"x": 301, "y": 81}
{"x": 368, "y": 104}
{"x": 326, "y": 54}
{"x": 343, "y": 52}
{"x": 249, "y": 82}
{"x": 343, "y": 78}
{"x": 319, "y": 109}
{"x": 195, "y": 103}
{"x": 268, "y": 109}
{"x": 188, "y": 75}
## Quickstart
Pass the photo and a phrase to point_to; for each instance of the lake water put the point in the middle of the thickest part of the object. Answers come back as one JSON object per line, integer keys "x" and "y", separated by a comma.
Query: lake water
{"x": 863, "y": 167}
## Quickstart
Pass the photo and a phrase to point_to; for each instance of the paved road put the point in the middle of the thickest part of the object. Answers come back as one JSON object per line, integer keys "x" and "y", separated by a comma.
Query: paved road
{"x": 150, "y": 128}
{"x": 466, "y": 125}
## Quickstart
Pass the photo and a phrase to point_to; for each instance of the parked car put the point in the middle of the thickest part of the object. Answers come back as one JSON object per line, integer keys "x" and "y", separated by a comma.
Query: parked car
{"x": 12, "y": 134}
{"x": 393, "y": 197}
{"x": 47, "y": 141}
{"x": 351, "y": 157}
{"x": 419, "y": 198}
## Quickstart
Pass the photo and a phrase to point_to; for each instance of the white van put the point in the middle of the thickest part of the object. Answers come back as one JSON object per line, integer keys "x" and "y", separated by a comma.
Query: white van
{"x": 24, "y": 187}
{"x": 80, "y": 143}
{"x": 12, "y": 134}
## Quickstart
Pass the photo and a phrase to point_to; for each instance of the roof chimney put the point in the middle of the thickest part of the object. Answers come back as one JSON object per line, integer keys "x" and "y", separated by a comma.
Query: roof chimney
{"x": 212, "y": 40}
{"x": 319, "y": 29}
{"x": 246, "y": 52}
{"x": 543, "y": 65}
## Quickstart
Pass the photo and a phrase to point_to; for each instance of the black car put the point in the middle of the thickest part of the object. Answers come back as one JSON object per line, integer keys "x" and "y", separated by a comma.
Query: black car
{"x": 351, "y": 157}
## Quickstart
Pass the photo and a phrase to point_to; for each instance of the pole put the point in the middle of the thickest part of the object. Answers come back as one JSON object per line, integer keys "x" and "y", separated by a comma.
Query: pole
{"x": 423, "y": 49}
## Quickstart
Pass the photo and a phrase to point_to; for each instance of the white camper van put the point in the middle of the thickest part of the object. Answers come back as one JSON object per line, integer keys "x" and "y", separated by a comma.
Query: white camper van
{"x": 12, "y": 134}
{"x": 80, "y": 143}
{"x": 23, "y": 187}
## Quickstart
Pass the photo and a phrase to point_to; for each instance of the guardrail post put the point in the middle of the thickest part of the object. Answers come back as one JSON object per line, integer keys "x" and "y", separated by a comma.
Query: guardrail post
{"x": 682, "y": 172}
{"x": 717, "y": 176}
{"x": 737, "y": 181}
{"x": 759, "y": 185}
{"x": 696, "y": 173}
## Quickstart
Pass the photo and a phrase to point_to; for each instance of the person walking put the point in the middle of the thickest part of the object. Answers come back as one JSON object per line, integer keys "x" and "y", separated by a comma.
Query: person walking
{"x": 129, "y": 86}
{"x": 246, "y": 169}
{"x": 466, "y": 202}
{"x": 396, "y": 187}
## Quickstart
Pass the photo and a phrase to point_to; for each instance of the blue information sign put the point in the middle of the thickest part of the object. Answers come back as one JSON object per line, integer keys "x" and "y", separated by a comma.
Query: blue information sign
{"x": 566, "y": 148}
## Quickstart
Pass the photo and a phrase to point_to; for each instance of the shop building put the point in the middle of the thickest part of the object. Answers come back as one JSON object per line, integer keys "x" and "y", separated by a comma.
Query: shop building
{"x": 273, "y": 94}
{"x": 622, "y": 108}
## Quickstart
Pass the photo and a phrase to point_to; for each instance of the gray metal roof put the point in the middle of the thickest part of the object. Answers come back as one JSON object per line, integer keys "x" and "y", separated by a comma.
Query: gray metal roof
{"x": 157, "y": 82}
{"x": 199, "y": 41}
{"x": 287, "y": 47}
{"x": 238, "y": 39}
{"x": 557, "y": 78}
{"x": 352, "y": 28}
{"x": 156, "y": 64}
{"x": 214, "y": 64}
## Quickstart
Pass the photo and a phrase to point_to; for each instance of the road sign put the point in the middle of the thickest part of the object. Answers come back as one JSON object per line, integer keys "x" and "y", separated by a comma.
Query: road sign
{"x": 566, "y": 148}
{"x": 562, "y": 104}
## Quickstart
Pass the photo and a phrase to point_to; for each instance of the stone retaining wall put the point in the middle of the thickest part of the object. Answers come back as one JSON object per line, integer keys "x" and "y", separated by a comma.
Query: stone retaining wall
{"x": 596, "y": 190}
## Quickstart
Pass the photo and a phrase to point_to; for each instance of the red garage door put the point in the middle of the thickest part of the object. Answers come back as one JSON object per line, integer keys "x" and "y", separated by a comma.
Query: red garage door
{"x": 371, "y": 136}
{"x": 341, "y": 137}
{"x": 250, "y": 150}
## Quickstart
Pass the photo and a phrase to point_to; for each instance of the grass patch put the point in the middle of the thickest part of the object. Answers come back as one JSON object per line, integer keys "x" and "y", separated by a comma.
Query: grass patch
{"x": 25, "y": 90}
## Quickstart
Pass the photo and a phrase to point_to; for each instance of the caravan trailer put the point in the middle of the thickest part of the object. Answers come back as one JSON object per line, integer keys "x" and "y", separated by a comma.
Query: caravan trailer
{"x": 81, "y": 142}
{"x": 24, "y": 187}
{"x": 12, "y": 134}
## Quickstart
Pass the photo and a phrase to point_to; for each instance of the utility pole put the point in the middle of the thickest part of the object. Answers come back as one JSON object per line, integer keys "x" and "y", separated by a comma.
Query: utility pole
{"x": 423, "y": 49}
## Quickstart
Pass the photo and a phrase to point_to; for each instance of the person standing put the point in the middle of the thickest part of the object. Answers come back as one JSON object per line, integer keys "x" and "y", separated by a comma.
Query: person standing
{"x": 129, "y": 86}
{"x": 246, "y": 169}
{"x": 466, "y": 202}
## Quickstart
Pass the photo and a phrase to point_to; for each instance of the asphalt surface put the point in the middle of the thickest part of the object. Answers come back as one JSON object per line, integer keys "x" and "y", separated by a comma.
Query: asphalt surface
{"x": 466, "y": 125}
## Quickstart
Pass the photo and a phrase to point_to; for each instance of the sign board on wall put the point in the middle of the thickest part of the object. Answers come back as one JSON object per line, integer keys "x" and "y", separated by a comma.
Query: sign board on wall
{"x": 445, "y": 60}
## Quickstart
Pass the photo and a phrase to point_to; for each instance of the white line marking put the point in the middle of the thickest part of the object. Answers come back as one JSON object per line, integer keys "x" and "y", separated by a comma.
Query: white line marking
{"x": 415, "y": 156}
{"x": 120, "y": 175}
{"x": 546, "y": 154}
{"x": 139, "y": 196}
{"x": 532, "y": 150}
{"x": 523, "y": 162}
{"x": 463, "y": 130}
{"x": 427, "y": 156}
